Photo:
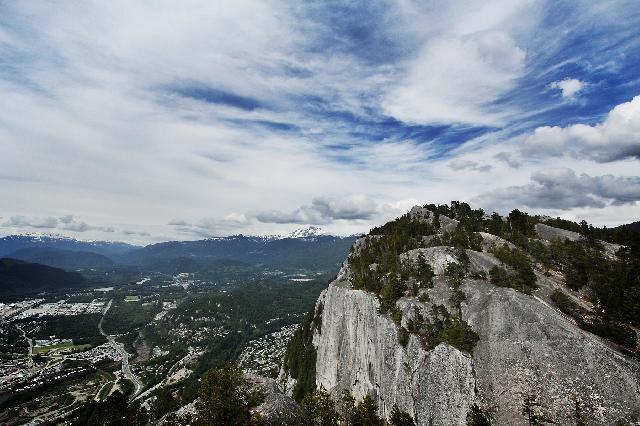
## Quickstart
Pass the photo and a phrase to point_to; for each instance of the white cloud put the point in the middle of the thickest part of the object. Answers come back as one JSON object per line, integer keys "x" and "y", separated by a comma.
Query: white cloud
{"x": 469, "y": 165}
{"x": 324, "y": 210}
{"x": 31, "y": 222}
{"x": 616, "y": 138}
{"x": 569, "y": 87}
{"x": 563, "y": 189}
{"x": 440, "y": 87}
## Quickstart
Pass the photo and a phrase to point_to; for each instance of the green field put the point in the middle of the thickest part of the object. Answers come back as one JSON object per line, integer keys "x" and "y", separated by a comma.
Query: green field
{"x": 132, "y": 298}
{"x": 66, "y": 345}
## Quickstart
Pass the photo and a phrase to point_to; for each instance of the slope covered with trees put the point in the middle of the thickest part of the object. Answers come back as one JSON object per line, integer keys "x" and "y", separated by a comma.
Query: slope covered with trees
{"x": 24, "y": 277}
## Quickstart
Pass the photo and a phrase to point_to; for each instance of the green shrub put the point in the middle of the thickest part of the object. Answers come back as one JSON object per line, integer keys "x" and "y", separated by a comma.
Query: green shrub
{"x": 477, "y": 417}
{"x": 300, "y": 358}
{"x": 459, "y": 334}
{"x": 615, "y": 331}
{"x": 565, "y": 304}
{"x": 400, "y": 418}
{"x": 403, "y": 337}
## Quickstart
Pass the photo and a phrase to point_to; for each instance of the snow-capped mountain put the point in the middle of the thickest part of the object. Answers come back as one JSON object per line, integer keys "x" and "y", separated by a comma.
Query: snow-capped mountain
{"x": 306, "y": 232}
{"x": 13, "y": 243}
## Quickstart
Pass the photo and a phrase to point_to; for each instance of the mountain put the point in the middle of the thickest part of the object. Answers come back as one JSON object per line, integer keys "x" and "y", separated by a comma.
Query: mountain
{"x": 308, "y": 232}
{"x": 13, "y": 243}
{"x": 304, "y": 248}
{"x": 635, "y": 226}
{"x": 322, "y": 251}
{"x": 18, "y": 277}
{"x": 64, "y": 259}
{"x": 461, "y": 318}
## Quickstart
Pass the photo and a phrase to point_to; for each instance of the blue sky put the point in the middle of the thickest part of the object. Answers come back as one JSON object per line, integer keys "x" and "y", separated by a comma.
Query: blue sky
{"x": 162, "y": 120}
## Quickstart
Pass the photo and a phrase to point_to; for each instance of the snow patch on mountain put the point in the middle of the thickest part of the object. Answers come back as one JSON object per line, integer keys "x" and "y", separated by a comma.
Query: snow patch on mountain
{"x": 306, "y": 232}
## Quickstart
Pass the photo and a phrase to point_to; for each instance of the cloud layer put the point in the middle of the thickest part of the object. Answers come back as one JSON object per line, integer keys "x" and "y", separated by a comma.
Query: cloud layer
{"x": 563, "y": 189}
{"x": 181, "y": 120}
{"x": 616, "y": 138}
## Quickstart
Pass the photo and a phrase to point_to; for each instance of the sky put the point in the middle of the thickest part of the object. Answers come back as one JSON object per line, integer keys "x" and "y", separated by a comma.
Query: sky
{"x": 160, "y": 120}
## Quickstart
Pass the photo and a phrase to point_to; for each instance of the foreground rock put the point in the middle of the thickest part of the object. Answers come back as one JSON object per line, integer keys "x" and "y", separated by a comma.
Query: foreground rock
{"x": 527, "y": 350}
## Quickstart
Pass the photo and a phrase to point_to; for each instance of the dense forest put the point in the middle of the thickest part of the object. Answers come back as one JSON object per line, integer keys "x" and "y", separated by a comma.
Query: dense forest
{"x": 18, "y": 277}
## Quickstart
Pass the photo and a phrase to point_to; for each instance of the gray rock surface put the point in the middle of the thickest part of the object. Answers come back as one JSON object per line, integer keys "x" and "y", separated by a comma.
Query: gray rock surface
{"x": 490, "y": 242}
{"x": 526, "y": 347}
{"x": 438, "y": 257}
{"x": 447, "y": 224}
{"x": 420, "y": 213}
{"x": 549, "y": 233}
{"x": 358, "y": 350}
{"x": 277, "y": 408}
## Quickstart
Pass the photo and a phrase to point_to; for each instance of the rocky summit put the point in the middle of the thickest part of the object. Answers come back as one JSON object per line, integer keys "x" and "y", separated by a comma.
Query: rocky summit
{"x": 458, "y": 318}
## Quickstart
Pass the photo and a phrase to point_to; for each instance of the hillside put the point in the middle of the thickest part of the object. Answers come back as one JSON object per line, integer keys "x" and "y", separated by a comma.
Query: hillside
{"x": 63, "y": 259}
{"x": 459, "y": 318}
{"x": 18, "y": 277}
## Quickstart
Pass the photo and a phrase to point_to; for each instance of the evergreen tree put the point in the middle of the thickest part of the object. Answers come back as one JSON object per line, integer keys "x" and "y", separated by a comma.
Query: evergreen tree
{"x": 347, "y": 409}
{"x": 226, "y": 397}
{"x": 318, "y": 409}
{"x": 110, "y": 412}
{"x": 400, "y": 418}
{"x": 367, "y": 413}
{"x": 476, "y": 417}
{"x": 136, "y": 415}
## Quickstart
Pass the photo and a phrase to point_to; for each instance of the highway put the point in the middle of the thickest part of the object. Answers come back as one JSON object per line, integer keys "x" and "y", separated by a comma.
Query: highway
{"x": 29, "y": 342}
{"x": 126, "y": 370}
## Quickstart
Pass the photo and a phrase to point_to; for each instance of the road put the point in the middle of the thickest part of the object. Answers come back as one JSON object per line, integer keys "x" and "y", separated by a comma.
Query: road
{"x": 30, "y": 342}
{"x": 126, "y": 370}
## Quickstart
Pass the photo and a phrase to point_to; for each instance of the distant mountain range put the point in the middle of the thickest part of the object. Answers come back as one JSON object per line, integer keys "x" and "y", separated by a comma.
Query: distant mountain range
{"x": 308, "y": 247}
{"x": 14, "y": 243}
{"x": 305, "y": 251}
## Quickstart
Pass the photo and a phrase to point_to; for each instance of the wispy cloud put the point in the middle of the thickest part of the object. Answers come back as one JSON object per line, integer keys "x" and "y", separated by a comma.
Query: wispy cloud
{"x": 130, "y": 115}
{"x": 63, "y": 223}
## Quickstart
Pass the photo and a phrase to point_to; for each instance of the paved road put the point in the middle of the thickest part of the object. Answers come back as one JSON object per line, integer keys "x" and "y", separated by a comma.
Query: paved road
{"x": 126, "y": 370}
{"x": 30, "y": 342}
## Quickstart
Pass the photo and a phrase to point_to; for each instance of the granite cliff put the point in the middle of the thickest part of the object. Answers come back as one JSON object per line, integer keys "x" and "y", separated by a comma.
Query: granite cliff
{"x": 507, "y": 349}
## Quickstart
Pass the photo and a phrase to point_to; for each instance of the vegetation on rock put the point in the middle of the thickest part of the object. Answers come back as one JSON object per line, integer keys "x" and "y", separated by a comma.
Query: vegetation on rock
{"x": 300, "y": 357}
{"x": 226, "y": 397}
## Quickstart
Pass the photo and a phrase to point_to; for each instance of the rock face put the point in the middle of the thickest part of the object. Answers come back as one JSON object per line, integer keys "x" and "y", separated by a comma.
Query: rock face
{"x": 276, "y": 408}
{"x": 357, "y": 349}
{"x": 526, "y": 349}
{"x": 549, "y": 233}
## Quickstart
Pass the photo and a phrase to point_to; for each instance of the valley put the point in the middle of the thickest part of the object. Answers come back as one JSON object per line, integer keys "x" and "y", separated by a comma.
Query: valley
{"x": 148, "y": 331}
